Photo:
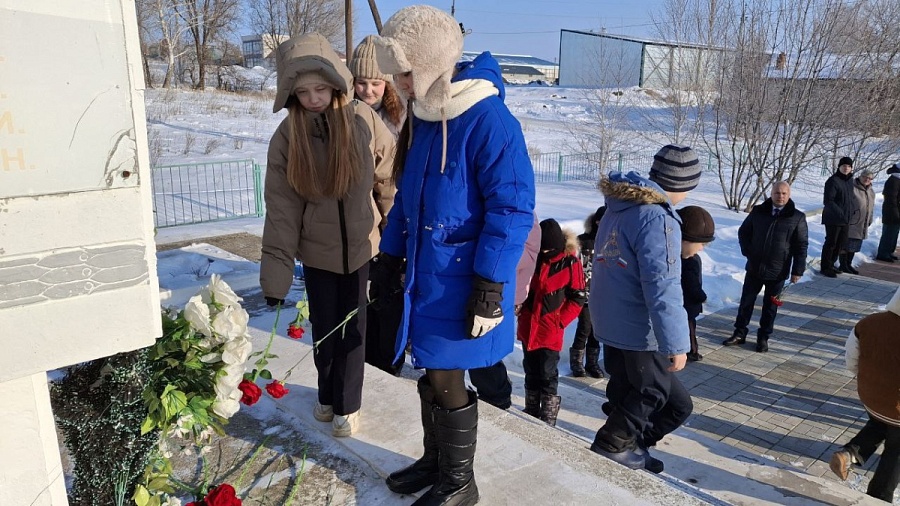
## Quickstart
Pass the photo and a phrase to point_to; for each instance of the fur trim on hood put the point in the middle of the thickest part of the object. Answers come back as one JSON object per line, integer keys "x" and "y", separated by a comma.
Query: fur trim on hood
{"x": 310, "y": 52}
{"x": 426, "y": 41}
{"x": 631, "y": 188}
{"x": 894, "y": 304}
{"x": 572, "y": 247}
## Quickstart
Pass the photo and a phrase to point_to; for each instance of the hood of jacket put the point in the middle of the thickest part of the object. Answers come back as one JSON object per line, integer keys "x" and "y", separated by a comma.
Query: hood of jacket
{"x": 308, "y": 53}
{"x": 631, "y": 189}
{"x": 484, "y": 66}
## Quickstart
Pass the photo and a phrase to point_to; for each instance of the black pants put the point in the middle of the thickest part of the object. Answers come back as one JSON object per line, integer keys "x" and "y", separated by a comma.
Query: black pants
{"x": 752, "y": 285}
{"x": 835, "y": 241}
{"x": 492, "y": 384}
{"x": 584, "y": 331}
{"x": 888, "y": 243}
{"x": 541, "y": 370}
{"x": 692, "y": 327}
{"x": 381, "y": 334}
{"x": 647, "y": 400}
{"x": 340, "y": 358}
{"x": 863, "y": 446}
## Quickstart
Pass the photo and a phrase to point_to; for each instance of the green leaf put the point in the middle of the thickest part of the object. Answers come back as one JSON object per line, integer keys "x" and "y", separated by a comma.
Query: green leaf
{"x": 159, "y": 483}
{"x": 265, "y": 374}
{"x": 141, "y": 496}
{"x": 148, "y": 425}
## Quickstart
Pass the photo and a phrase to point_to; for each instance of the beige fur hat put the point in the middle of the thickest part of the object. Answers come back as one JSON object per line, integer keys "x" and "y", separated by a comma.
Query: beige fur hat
{"x": 426, "y": 41}
{"x": 310, "y": 53}
{"x": 363, "y": 64}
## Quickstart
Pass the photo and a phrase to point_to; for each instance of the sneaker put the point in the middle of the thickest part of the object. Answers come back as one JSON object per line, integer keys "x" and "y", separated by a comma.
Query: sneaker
{"x": 840, "y": 464}
{"x": 323, "y": 412}
{"x": 345, "y": 425}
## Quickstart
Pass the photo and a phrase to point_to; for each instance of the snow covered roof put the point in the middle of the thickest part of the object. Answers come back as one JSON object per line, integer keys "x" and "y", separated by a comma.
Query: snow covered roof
{"x": 511, "y": 59}
{"x": 857, "y": 67}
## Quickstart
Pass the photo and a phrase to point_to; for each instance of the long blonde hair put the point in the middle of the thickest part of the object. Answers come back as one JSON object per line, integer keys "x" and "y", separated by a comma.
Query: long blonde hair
{"x": 344, "y": 155}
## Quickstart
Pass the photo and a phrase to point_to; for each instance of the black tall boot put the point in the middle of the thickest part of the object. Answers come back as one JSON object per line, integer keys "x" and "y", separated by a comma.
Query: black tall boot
{"x": 849, "y": 258}
{"x": 532, "y": 403}
{"x": 576, "y": 362}
{"x": 550, "y": 408}
{"x": 593, "y": 363}
{"x": 423, "y": 472}
{"x": 457, "y": 433}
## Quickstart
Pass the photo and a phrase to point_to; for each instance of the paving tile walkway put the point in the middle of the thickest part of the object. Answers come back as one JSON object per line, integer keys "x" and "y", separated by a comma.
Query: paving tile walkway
{"x": 797, "y": 403}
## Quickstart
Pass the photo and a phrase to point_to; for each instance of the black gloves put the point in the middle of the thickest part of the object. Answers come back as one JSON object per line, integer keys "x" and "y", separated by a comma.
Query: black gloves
{"x": 579, "y": 297}
{"x": 483, "y": 311}
{"x": 384, "y": 279}
{"x": 272, "y": 302}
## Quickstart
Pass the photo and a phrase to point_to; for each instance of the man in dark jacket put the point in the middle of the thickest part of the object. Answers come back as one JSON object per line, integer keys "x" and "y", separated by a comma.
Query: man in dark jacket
{"x": 838, "y": 200}
{"x": 774, "y": 240}
{"x": 890, "y": 216}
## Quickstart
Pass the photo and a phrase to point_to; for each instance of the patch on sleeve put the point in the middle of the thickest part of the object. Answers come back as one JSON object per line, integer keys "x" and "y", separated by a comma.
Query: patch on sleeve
{"x": 609, "y": 253}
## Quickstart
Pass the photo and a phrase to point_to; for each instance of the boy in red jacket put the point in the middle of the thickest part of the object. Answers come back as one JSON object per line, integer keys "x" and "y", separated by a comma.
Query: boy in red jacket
{"x": 554, "y": 301}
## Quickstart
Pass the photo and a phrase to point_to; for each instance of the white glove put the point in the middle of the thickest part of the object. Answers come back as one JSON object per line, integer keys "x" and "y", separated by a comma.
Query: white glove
{"x": 482, "y": 325}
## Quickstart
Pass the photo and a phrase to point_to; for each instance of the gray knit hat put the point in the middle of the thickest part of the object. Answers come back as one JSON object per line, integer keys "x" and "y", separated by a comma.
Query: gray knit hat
{"x": 675, "y": 168}
{"x": 363, "y": 64}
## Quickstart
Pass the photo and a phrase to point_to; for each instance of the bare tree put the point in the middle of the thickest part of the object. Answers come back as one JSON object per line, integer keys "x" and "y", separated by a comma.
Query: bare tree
{"x": 207, "y": 21}
{"x": 785, "y": 102}
{"x": 277, "y": 19}
{"x": 144, "y": 14}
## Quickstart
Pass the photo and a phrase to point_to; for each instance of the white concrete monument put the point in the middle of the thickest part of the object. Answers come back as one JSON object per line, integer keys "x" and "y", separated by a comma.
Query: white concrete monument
{"x": 77, "y": 258}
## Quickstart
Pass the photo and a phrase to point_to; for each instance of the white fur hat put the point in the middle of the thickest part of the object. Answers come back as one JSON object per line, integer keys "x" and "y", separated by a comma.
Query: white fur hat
{"x": 426, "y": 41}
{"x": 310, "y": 53}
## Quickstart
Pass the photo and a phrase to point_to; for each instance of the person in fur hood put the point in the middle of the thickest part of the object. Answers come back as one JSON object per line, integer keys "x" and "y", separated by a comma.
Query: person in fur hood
{"x": 554, "y": 300}
{"x": 637, "y": 260}
{"x": 327, "y": 193}
{"x": 873, "y": 354}
{"x": 463, "y": 211}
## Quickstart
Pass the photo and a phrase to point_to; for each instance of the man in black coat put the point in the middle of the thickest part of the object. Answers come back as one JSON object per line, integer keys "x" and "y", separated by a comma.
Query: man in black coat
{"x": 838, "y": 200}
{"x": 890, "y": 216}
{"x": 774, "y": 239}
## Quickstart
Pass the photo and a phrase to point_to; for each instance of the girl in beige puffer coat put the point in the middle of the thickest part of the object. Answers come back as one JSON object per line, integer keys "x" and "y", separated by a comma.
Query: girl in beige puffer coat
{"x": 327, "y": 193}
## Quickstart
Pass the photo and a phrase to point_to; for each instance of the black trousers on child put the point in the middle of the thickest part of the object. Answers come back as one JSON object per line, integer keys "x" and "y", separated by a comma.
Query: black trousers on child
{"x": 492, "y": 385}
{"x": 863, "y": 446}
{"x": 541, "y": 370}
{"x": 339, "y": 359}
{"x": 647, "y": 400}
{"x": 584, "y": 331}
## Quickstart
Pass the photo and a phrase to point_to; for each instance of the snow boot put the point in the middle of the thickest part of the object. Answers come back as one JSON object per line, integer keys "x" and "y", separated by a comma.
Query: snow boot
{"x": 550, "y": 408}
{"x": 423, "y": 472}
{"x": 593, "y": 363}
{"x": 457, "y": 435}
{"x": 576, "y": 362}
{"x": 532, "y": 403}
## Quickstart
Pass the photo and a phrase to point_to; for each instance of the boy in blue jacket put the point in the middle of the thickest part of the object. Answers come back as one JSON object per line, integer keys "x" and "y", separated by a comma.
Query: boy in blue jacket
{"x": 637, "y": 307}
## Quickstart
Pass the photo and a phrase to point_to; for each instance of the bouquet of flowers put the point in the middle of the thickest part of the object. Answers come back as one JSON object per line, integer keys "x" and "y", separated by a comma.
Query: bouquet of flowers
{"x": 196, "y": 370}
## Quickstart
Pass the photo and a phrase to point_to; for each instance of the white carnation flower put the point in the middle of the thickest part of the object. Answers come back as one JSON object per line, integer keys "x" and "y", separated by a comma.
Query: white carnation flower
{"x": 172, "y": 501}
{"x": 197, "y": 314}
{"x": 211, "y": 357}
{"x": 226, "y": 408}
{"x": 237, "y": 351}
{"x": 219, "y": 291}
{"x": 231, "y": 322}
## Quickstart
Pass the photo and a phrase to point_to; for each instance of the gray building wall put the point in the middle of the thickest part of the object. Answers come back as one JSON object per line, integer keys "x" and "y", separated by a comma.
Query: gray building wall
{"x": 586, "y": 60}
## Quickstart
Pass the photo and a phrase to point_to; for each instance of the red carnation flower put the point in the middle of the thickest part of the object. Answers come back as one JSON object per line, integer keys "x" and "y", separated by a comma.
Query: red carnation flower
{"x": 777, "y": 300}
{"x": 295, "y": 331}
{"x": 223, "y": 495}
{"x": 276, "y": 389}
{"x": 251, "y": 392}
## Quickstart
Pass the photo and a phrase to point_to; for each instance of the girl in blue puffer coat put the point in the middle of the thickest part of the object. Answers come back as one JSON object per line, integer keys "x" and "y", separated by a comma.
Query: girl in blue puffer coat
{"x": 460, "y": 219}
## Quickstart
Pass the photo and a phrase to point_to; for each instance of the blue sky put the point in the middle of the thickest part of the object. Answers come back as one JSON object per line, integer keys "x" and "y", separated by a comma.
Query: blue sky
{"x": 526, "y": 26}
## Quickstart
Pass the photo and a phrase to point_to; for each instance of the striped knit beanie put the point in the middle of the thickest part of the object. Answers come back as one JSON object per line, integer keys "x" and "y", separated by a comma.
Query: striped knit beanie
{"x": 363, "y": 64}
{"x": 675, "y": 168}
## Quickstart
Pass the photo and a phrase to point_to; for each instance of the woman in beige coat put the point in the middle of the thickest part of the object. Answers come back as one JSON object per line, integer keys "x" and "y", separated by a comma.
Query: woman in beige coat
{"x": 327, "y": 193}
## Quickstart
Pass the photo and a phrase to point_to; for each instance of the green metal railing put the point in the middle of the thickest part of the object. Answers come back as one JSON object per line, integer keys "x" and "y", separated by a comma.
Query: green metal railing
{"x": 556, "y": 167}
{"x": 204, "y": 192}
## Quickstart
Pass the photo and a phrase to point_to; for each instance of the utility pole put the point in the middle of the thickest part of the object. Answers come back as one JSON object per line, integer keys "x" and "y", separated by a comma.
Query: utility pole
{"x": 453, "y": 8}
{"x": 348, "y": 28}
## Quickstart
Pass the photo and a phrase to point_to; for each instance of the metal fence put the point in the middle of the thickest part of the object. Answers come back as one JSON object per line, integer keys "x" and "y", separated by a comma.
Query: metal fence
{"x": 213, "y": 191}
{"x": 556, "y": 167}
{"x": 204, "y": 192}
